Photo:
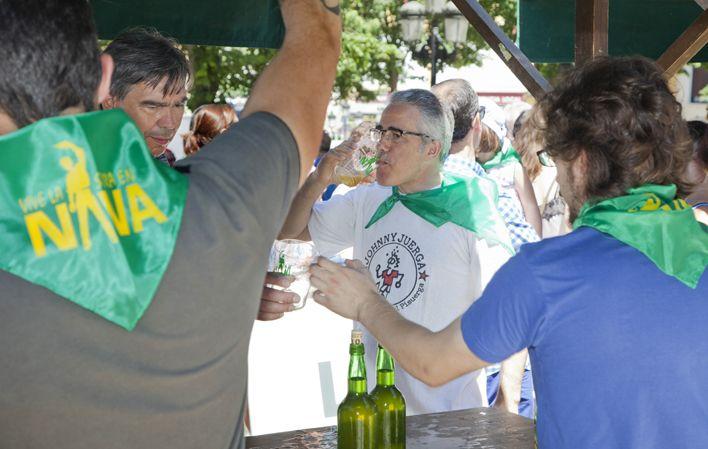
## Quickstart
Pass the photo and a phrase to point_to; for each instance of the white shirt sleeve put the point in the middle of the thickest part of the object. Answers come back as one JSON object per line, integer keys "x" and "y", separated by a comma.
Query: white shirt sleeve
{"x": 491, "y": 256}
{"x": 332, "y": 223}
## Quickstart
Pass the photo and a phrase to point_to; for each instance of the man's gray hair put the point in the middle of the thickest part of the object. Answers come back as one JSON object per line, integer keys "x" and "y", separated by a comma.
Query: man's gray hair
{"x": 436, "y": 119}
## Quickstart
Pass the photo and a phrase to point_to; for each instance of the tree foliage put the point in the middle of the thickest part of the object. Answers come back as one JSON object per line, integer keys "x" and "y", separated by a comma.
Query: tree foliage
{"x": 373, "y": 53}
{"x": 224, "y": 72}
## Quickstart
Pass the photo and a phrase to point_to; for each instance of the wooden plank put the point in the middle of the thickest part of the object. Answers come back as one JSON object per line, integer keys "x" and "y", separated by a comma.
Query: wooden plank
{"x": 512, "y": 56}
{"x": 591, "y": 25}
{"x": 686, "y": 46}
{"x": 483, "y": 428}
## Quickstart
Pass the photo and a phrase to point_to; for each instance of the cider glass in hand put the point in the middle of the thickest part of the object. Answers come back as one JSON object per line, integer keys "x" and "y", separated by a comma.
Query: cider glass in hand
{"x": 293, "y": 258}
{"x": 363, "y": 159}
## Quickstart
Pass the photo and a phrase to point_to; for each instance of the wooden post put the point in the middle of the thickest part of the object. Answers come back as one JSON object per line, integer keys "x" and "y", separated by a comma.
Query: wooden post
{"x": 512, "y": 56}
{"x": 686, "y": 46}
{"x": 591, "y": 25}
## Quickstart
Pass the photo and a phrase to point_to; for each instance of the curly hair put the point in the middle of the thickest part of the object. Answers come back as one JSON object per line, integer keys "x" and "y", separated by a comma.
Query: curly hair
{"x": 529, "y": 139}
{"x": 208, "y": 121}
{"x": 622, "y": 114}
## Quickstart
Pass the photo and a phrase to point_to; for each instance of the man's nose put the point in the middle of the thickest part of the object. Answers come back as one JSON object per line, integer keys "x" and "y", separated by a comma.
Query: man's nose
{"x": 383, "y": 145}
{"x": 170, "y": 119}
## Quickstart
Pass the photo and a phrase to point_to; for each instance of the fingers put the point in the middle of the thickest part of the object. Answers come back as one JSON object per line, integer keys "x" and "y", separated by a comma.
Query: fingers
{"x": 322, "y": 279}
{"x": 278, "y": 296}
{"x": 342, "y": 152}
{"x": 269, "y": 316}
{"x": 271, "y": 304}
{"x": 319, "y": 297}
{"x": 359, "y": 266}
{"x": 278, "y": 279}
{"x": 328, "y": 265}
{"x": 355, "y": 264}
{"x": 326, "y": 274}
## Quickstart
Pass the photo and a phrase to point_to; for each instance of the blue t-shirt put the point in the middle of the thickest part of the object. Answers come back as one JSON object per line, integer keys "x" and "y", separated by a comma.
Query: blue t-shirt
{"x": 619, "y": 349}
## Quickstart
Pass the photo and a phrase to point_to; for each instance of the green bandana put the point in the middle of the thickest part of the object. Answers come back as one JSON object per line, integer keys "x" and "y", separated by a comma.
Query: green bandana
{"x": 651, "y": 220}
{"x": 466, "y": 202}
{"x": 503, "y": 157}
{"x": 87, "y": 213}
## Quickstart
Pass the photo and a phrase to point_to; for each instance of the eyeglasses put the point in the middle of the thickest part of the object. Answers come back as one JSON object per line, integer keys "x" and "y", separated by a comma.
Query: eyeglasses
{"x": 482, "y": 111}
{"x": 378, "y": 134}
{"x": 545, "y": 159}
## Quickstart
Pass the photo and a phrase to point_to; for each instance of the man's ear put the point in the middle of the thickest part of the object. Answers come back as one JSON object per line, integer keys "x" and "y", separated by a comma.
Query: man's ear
{"x": 104, "y": 87}
{"x": 580, "y": 166}
{"x": 476, "y": 123}
{"x": 579, "y": 169}
{"x": 433, "y": 150}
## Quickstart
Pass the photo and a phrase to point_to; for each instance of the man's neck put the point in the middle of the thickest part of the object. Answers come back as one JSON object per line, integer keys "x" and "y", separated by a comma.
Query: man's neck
{"x": 699, "y": 193}
{"x": 463, "y": 148}
{"x": 428, "y": 181}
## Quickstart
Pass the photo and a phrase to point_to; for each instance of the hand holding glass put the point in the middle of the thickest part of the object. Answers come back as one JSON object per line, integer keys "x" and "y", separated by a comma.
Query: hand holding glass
{"x": 293, "y": 258}
{"x": 363, "y": 159}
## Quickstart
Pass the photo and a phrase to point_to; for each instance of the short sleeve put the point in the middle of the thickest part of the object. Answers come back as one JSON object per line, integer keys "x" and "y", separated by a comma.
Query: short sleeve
{"x": 508, "y": 315}
{"x": 492, "y": 256}
{"x": 332, "y": 223}
{"x": 244, "y": 180}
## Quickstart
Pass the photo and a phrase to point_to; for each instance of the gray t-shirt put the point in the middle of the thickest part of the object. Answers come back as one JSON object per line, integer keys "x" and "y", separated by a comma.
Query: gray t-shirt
{"x": 72, "y": 380}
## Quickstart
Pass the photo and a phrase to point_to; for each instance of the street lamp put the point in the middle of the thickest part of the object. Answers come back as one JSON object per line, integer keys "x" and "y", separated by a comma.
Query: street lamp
{"x": 413, "y": 17}
{"x": 456, "y": 25}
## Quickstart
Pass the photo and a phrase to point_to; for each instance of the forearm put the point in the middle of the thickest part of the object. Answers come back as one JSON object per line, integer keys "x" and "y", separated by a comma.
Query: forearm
{"x": 297, "y": 84}
{"x": 510, "y": 377}
{"x": 524, "y": 190}
{"x": 434, "y": 358}
{"x": 295, "y": 226}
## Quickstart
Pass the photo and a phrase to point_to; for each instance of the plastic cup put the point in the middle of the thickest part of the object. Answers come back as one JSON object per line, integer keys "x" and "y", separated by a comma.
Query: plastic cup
{"x": 363, "y": 159}
{"x": 293, "y": 258}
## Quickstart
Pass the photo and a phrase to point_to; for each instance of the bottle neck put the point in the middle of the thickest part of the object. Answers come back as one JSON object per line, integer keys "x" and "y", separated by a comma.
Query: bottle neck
{"x": 357, "y": 369}
{"x": 384, "y": 368}
{"x": 385, "y": 378}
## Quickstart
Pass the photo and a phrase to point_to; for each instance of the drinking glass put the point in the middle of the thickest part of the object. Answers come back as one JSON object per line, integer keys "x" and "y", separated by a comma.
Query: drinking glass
{"x": 293, "y": 258}
{"x": 363, "y": 159}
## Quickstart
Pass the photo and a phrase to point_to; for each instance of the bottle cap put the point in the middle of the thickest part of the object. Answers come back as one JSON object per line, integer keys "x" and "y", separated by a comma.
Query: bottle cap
{"x": 357, "y": 337}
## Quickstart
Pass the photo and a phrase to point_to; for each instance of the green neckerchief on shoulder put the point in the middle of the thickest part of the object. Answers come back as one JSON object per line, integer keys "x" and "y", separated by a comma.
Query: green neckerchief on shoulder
{"x": 86, "y": 212}
{"x": 504, "y": 156}
{"x": 652, "y": 220}
{"x": 467, "y": 202}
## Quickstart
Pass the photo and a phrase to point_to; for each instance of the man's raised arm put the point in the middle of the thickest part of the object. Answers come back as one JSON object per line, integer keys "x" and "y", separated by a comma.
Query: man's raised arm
{"x": 297, "y": 84}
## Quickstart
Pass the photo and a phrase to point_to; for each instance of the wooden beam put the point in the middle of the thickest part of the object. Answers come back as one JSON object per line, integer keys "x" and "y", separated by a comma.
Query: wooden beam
{"x": 686, "y": 46}
{"x": 591, "y": 24}
{"x": 512, "y": 56}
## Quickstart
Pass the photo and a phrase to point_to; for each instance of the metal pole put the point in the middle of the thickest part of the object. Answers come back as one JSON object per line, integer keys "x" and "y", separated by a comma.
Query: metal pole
{"x": 433, "y": 55}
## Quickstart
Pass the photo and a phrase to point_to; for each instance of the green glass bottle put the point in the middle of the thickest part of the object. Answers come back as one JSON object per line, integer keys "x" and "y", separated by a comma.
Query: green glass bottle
{"x": 356, "y": 415}
{"x": 391, "y": 407}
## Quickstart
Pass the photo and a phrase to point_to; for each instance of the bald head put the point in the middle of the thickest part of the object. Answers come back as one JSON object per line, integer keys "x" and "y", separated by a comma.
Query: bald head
{"x": 461, "y": 99}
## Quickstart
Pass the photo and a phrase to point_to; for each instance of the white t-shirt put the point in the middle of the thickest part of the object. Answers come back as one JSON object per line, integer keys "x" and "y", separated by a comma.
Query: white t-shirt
{"x": 554, "y": 211}
{"x": 430, "y": 275}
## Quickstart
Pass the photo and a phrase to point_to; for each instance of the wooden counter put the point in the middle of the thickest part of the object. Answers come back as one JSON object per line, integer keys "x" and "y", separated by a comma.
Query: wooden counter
{"x": 479, "y": 428}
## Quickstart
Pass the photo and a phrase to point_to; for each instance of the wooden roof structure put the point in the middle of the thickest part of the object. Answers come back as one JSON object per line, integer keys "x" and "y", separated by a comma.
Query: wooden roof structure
{"x": 673, "y": 32}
